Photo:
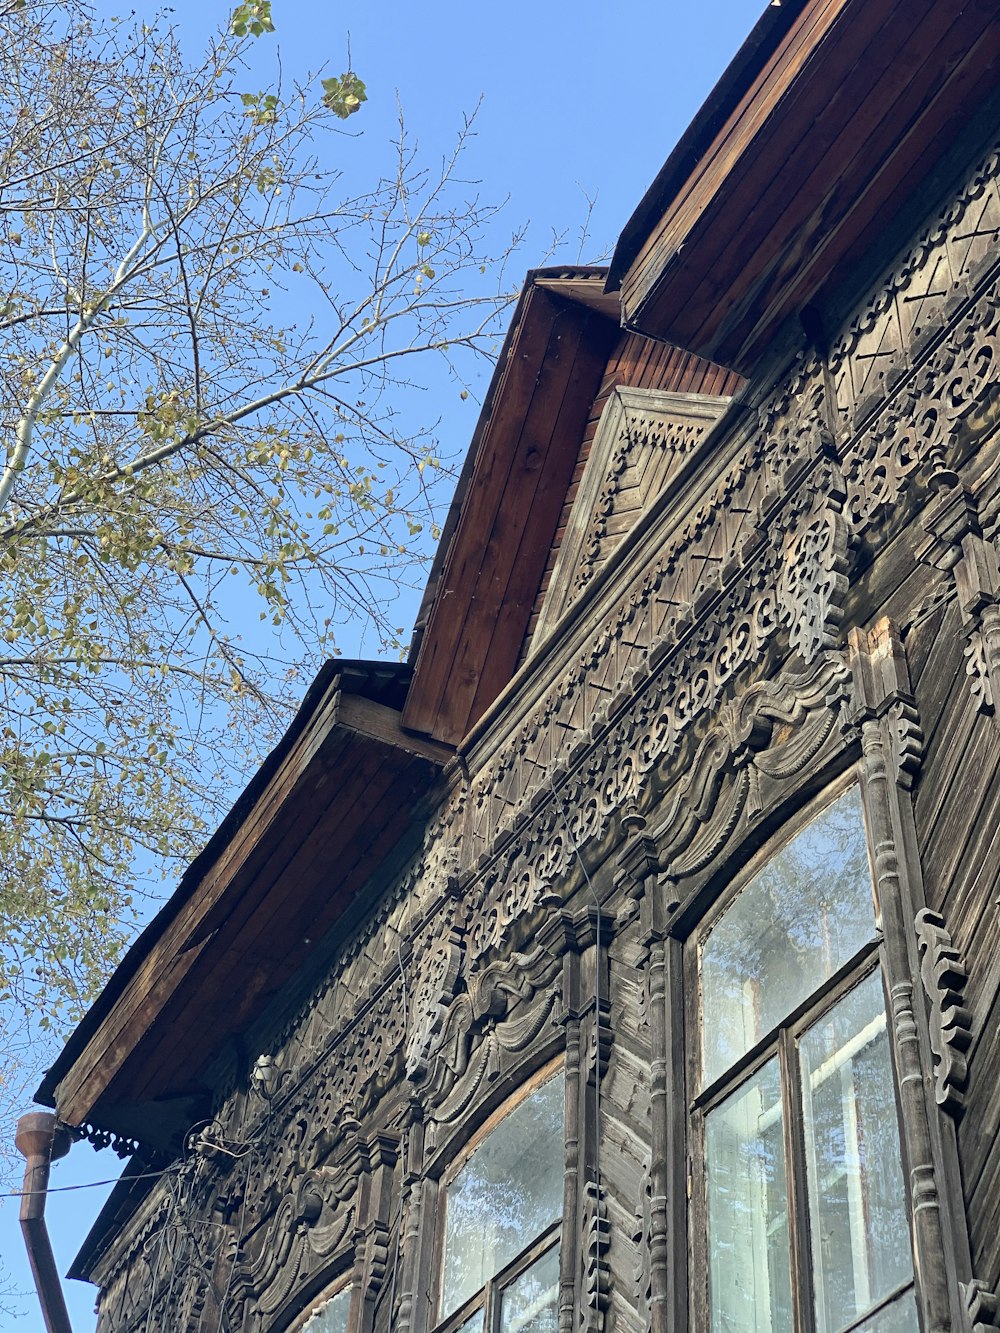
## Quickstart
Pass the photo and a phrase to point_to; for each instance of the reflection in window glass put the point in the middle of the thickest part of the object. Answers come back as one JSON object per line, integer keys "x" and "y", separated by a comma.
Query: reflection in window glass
{"x": 801, "y": 918}
{"x": 472, "y": 1325}
{"x": 531, "y": 1303}
{"x": 899, "y": 1317}
{"x": 860, "y": 1238}
{"x": 749, "y": 1269}
{"x": 508, "y": 1192}
{"x": 331, "y": 1317}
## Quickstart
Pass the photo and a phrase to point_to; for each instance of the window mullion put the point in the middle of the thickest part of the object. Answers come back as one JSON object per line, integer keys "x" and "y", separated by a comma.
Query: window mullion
{"x": 798, "y": 1203}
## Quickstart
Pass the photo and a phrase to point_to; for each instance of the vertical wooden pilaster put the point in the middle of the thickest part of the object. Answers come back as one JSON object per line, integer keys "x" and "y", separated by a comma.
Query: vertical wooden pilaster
{"x": 586, "y": 1283}
{"x": 639, "y": 873}
{"x": 416, "y": 1243}
{"x": 885, "y": 715}
{"x": 571, "y": 1179}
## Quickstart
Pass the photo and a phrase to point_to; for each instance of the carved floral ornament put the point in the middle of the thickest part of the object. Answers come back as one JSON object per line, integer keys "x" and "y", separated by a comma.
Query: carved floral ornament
{"x": 330, "y": 1218}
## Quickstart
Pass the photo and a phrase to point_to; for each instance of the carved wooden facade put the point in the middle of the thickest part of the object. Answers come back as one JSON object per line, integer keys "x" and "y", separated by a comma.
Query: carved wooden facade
{"x": 771, "y": 589}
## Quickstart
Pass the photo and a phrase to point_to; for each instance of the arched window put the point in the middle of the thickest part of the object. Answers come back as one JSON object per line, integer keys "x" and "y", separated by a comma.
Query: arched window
{"x": 503, "y": 1203}
{"x": 329, "y": 1315}
{"x": 806, "y": 1223}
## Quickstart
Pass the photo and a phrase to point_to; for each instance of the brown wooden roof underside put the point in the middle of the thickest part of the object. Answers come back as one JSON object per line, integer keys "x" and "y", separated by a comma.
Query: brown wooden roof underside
{"x": 495, "y": 562}
{"x": 333, "y": 809}
{"x": 841, "y": 123}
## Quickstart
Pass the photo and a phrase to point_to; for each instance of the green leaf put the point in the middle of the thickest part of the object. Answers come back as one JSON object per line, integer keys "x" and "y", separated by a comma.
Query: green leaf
{"x": 344, "y": 96}
{"x": 253, "y": 17}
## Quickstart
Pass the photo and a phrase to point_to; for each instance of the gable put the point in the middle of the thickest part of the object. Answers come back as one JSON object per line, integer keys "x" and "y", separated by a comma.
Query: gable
{"x": 644, "y": 439}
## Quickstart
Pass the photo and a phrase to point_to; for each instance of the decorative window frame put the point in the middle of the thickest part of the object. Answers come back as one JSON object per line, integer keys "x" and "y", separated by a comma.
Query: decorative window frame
{"x": 455, "y": 1318}
{"x": 509, "y": 1021}
{"x": 331, "y": 1230}
{"x": 705, "y": 1095}
{"x": 752, "y": 776}
{"x": 341, "y": 1284}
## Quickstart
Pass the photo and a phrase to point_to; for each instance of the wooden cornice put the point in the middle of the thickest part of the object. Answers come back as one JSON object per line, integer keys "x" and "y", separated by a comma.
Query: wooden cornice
{"x": 839, "y": 115}
{"x": 331, "y": 802}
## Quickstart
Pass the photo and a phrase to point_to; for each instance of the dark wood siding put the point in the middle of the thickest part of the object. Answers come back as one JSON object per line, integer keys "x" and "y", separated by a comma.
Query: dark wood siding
{"x": 957, "y": 813}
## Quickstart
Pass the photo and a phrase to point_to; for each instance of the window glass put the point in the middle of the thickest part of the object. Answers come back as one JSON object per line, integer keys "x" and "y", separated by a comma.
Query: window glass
{"x": 331, "y": 1317}
{"x": 531, "y": 1303}
{"x": 792, "y": 926}
{"x": 749, "y": 1271}
{"x": 473, "y": 1325}
{"x": 857, "y": 1217}
{"x": 899, "y": 1317}
{"x": 506, "y": 1194}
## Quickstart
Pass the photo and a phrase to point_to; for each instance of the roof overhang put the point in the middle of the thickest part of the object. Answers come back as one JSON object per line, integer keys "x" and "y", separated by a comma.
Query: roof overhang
{"x": 830, "y": 116}
{"x": 329, "y": 804}
{"x": 502, "y": 523}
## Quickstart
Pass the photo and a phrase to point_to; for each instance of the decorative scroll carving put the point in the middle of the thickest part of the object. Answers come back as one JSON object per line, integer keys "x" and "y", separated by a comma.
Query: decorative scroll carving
{"x": 326, "y": 1213}
{"x": 944, "y": 976}
{"x": 775, "y": 729}
{"x": 595, "y": 1287}
{"x": 980, "y": 1308}
{"x": 435, "y": 990}
{"x": 479, "y": 1032}
{"x": 957, "y": 544}
{"x": 814, "y": 567}
{"x": 642, "y": 1241}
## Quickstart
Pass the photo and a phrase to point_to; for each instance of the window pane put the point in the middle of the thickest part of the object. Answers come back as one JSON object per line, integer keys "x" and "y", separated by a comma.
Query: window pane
{"x": 857, "y": 1213}
{"x": 331, "y": 1317}
{"x": 899, "y": 1317}
{"x": 507, "y": 1193}
{"x": 749, "y": 1278}
{"x": 807, "y": 912}
{"x": 472, "y": 1325}
{"x": 531, "y": 1303}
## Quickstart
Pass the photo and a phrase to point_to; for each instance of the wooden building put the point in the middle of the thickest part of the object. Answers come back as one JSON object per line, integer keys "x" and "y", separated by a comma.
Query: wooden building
{"x": 630, "y": 959}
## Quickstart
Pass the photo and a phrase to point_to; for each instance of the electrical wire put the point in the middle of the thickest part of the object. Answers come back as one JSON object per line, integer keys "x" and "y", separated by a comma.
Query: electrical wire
{"x": 86, "y": 1185}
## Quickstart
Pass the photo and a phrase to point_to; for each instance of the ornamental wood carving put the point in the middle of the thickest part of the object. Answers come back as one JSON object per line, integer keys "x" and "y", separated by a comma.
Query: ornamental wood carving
{"x": 643, "y": 441}
{"x": 706, "y": 674}
{"x": 981, "y": 1309}
{"x": 957, "y": 543}
{"x": 774, "y": 730}
{"x": 944, "y": 976}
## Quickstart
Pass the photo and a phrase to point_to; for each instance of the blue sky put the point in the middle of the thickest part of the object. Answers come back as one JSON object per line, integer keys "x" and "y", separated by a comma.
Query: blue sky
{"x": 578, "y": 102}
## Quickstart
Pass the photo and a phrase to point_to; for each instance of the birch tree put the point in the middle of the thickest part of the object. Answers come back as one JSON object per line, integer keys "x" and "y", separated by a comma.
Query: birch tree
{"x": 195, "y": 491}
